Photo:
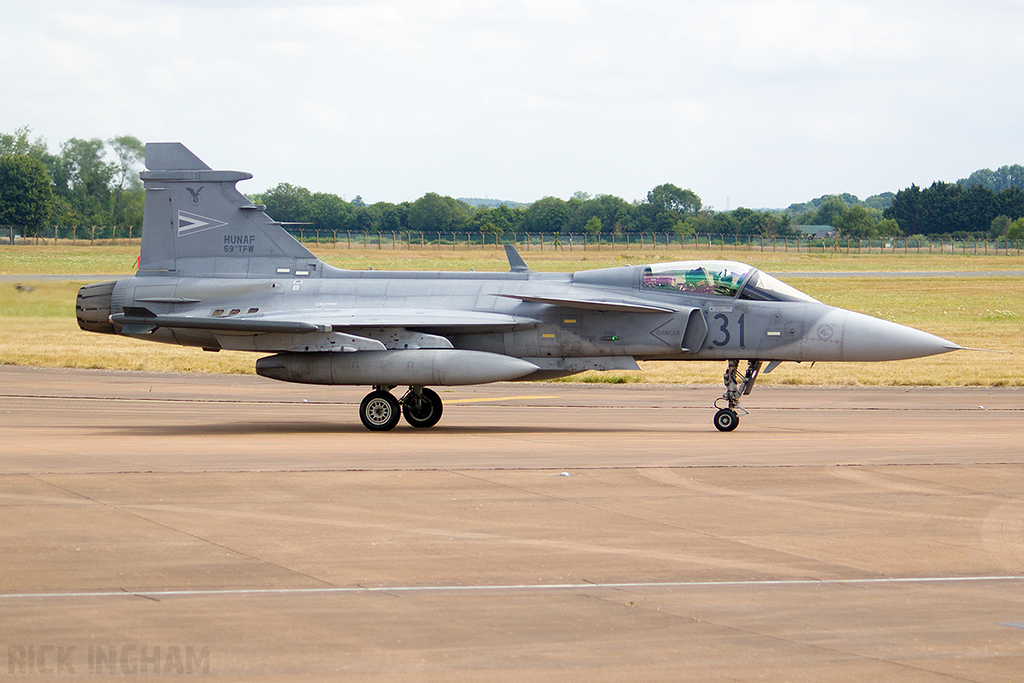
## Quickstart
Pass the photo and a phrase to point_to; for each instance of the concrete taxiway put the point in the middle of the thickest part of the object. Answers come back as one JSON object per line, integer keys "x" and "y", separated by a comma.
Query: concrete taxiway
{"x": 244, "y": 529}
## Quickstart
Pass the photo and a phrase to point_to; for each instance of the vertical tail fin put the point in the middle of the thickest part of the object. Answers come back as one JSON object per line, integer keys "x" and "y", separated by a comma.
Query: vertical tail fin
{"x": 197, "y": 224}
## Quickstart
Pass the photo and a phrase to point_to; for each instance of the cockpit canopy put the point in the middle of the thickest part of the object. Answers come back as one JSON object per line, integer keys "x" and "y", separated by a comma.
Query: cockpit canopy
{"x": 719, "y": 278}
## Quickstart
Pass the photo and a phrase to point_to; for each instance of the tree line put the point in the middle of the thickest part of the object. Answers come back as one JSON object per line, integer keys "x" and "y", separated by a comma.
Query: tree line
{"x": 87, "y": 182}
{"x": 960, "y": 210}
{"x": 666, "y": 209}
{"x": 96, "y": 182}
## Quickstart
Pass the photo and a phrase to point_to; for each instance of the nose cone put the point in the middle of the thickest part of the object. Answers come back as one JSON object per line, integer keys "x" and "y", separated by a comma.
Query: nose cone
{"x": 871, "y": 339}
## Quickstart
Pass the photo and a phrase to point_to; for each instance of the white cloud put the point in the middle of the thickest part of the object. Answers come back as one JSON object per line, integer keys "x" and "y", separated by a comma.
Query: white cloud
{"x": 763, "y": 101}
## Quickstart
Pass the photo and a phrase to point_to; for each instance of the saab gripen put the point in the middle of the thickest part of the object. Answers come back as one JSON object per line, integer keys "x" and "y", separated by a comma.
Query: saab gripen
{"x": 216, "y": 272}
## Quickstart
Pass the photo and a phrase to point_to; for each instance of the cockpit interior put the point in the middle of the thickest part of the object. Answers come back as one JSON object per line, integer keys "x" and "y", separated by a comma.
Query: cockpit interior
{"x": 719, "y": 278}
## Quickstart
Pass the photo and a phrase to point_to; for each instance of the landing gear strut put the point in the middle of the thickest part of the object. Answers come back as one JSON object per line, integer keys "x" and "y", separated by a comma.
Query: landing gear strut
{"x": 727, "y": 419}
{"x": 380, "y": 410}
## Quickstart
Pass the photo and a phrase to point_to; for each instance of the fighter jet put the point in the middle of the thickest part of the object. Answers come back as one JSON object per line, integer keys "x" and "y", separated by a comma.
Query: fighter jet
{"x": 216, "y": 272}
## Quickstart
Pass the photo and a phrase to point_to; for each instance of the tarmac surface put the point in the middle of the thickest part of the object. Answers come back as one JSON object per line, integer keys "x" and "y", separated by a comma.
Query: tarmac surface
{"x": 242, "y": 529}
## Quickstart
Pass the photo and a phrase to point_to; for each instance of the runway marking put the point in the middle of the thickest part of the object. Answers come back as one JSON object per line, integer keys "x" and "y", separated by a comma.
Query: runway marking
{"x": 520, "y": 587}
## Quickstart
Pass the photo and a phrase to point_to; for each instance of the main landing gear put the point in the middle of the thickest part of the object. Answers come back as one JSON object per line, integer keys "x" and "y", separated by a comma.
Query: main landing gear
{"x": 727, "y": 419}
{"x": 380, "y": 410}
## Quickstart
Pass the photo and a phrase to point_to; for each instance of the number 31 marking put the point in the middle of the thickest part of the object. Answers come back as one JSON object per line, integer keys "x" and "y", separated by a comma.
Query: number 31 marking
{"x": 726, "y": 336}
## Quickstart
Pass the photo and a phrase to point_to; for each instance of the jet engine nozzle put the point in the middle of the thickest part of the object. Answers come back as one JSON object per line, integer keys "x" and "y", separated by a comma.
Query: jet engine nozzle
{"x": 92, "y": 308}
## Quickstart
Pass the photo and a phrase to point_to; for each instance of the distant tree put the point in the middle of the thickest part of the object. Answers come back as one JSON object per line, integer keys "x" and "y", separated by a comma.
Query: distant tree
{"x": 25, "y": 194}
{"x": 1010, "y": 202}
{"x": 975, "y": 208}
{"x": 1016, "y": 231}
{"x": 831, "y": 209}
{"x": 593, "y": 226}
{"x": 999, "y": 226}
{"x": 806, "y": 213}
{"x": 997, "y": 181}
{"x": 289, "y": 203}
{"x": 547, "y": 215}
{"x": 1006, "y": 177}
{"x": 855, "y": 221}
{"x": 435, "y": 213}
{"x": 744, "y": 221}
{"x": 859, "y": 221}
{"x": 724, "y": 223}
{"x": 393, "y": 217}
{"x": 809, "y": 217}
{"x": 366, "y": 218}
{"x": 880, "y": 202}
{"x": 669, "y": 198}
{"x": 888, "y": 227}
{"x": 666, "y": 206}
{"x": 905, "y": 210}
{"x": 19, "y": 144}
{"x": 507, "y": 218}
{"x": 127, "y": 200}
{"x": 328, "y": 211}
{"x": 613, "y": 212}
{"x": 501, "y": 218}
{"x": 82, "y": 182}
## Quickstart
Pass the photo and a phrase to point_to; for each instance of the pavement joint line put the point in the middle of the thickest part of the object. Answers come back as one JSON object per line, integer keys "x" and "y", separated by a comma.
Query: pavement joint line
{"x": 202, "y": 592}
{"x": 498, "y": 468}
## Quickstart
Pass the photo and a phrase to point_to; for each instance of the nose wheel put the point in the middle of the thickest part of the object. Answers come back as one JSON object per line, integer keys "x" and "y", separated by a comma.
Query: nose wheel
{"x": 727, "y": 418}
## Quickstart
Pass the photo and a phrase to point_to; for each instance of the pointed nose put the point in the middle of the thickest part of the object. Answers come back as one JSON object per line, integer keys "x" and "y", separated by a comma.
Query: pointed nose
{"x": 871, "y": 339}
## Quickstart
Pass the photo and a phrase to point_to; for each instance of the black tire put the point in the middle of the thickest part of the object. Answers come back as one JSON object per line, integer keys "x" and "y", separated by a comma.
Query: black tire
{"x": 424, "y": 410}
{"x": 726, "y": 420}
{"x": 379, "y": 411}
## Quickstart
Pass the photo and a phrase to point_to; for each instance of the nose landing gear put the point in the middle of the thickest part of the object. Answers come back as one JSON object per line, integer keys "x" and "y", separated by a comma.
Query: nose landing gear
{"x": 727, "y": 418}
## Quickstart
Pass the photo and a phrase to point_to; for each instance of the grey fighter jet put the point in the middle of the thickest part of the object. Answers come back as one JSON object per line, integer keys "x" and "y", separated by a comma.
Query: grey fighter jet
{"x": 216, "y": 272}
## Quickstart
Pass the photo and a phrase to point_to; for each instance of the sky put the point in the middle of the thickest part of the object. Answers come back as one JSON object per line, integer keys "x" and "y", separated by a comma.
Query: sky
{"x": 748, "y": 103}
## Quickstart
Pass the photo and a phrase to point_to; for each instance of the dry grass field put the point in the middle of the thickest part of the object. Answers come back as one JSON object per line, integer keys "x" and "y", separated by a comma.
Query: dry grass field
{"x": 37, "y": 321}
{"x": 120, "y": 259}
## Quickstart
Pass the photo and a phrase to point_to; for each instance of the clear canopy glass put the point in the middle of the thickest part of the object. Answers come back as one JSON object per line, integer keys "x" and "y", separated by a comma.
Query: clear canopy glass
{"x": 719, "y": 278}
{"x": 761, "y": 286}
{"x": 723, "y": 278}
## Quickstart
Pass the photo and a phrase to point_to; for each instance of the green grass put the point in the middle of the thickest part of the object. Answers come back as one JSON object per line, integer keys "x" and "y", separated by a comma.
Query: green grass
{"x": 67, "y": 260}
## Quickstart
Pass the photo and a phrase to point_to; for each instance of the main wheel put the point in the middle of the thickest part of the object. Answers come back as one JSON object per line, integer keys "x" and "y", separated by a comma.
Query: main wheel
{"x": 379, "y": 411}
{"x": 423, "y": 410}
{"x": 726, "y": 420}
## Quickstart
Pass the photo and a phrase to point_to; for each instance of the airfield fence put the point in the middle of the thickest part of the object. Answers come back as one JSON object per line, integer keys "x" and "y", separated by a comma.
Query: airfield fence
{"x": 407, "y": 240}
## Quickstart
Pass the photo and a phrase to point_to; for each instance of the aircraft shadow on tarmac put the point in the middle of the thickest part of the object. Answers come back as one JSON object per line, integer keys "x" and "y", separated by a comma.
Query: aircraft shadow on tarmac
{"x": 269, "y": 428}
